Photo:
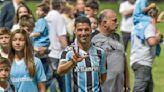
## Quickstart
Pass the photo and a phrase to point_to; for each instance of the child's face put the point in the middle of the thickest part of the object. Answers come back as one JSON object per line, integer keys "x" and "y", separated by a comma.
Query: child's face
{"x": 89, "y": 12}
{"x": 93, "y": 23}
{"x": 18, "y": 42}
{"x": 39, "y": 12}
{"x": 4, "y": 72}
{"x": 22, "y": 11}
{"x": 4, "y": 40}
{"x": 80, "y": 5}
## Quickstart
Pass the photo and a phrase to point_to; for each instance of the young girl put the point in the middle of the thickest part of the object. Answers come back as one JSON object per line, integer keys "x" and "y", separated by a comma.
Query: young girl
{"x": 27, "y": 73}
{"x": 22, "y": 10}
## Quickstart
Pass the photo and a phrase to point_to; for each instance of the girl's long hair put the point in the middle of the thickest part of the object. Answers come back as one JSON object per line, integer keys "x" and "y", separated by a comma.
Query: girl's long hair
{"x": 27, "y": 51}
{"x": 22, "y": 4}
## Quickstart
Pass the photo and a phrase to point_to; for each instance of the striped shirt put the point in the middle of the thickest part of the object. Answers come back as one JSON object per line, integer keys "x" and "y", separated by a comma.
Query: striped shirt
{"x": 86, "y": 74}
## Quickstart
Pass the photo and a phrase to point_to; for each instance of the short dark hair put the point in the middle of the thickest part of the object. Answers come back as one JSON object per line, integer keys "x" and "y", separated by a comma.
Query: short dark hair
{"x": 4, "y": 30}
{"x": 44, "y": 7}
{"x": 5, "y": 61}
{"x": 82, "y": 19}
{"x": 92, "y": 4}
{"x": 56, "y": 4}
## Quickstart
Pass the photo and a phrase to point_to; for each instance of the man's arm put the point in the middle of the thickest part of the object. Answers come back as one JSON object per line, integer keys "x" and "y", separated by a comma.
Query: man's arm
{"x": 126, "y": 76}
{"x": 152, "y": 41}
{"x": 161, "y": 17}
{"x": 151, "y": 6}
{"x": 103, "y": 78}
{"x": 127, "y": 12}
{"x": 41, "y": 87}
{"x": 63, "y": 41}
{"x": 35, "y": 34}
{"x": 65, "y": 66}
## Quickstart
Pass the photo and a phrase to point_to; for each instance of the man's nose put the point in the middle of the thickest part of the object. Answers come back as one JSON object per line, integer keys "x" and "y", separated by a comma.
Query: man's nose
{"x": 3, "y": 40}
{"x": 83, "y": 31}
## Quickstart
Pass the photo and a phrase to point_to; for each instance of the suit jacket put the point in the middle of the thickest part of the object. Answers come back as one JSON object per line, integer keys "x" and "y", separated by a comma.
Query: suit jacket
{"x": 7, "y": 15}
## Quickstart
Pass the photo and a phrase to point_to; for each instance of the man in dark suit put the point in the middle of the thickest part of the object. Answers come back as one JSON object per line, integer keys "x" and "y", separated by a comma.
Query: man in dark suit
{"x": 8, "y": 12}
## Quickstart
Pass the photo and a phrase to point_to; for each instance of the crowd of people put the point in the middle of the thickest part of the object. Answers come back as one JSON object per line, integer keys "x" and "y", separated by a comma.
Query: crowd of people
{"x": 74, "y": 47}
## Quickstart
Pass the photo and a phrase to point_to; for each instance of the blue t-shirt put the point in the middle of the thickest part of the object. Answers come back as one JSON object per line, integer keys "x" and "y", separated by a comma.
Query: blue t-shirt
{"x": 139, "y": 15}
{"x": 42, "y": 28}
{"x": 86, "y": 74}
{"x": 140, "y": 19}
{"x": 21, "y": 79}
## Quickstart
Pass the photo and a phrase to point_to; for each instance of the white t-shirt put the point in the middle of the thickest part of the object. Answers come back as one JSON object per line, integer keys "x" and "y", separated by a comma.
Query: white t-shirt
{"x": 15, "y": 27}
{"x": 3, "y": 54}
{"x": 57, "y": 28}
{"x": 141, "y": 52}
{"x": 126, "y": 22}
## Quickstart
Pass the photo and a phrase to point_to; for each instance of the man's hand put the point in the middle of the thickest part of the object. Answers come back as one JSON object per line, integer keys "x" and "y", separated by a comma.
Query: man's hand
{"x": 76, "y": 57}
{"x": 41, "y": 51}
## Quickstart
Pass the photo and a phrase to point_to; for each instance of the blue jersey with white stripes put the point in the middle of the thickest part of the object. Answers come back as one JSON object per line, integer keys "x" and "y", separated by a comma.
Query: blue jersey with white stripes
{"x": 86, "y": 74}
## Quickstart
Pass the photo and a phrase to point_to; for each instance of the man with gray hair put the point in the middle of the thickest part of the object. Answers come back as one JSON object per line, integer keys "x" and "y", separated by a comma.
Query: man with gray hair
{"x": 108, "y": 40}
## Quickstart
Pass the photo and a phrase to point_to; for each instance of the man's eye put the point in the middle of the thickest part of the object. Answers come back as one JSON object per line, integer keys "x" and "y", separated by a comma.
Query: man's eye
{"x": 79, "y": 30}
{"x": 86, "y": 30}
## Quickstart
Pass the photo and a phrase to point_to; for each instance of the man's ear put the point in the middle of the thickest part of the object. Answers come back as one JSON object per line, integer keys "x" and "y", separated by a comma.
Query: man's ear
{"x": 74, "y": 30}
{"x": 104, "y": 23}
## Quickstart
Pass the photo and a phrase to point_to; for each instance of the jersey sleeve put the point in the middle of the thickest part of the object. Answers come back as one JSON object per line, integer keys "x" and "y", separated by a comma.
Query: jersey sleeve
{"x": 40, "y": 74}
{"x": 150, "y": 31}
{"x": 103, "y": 63}
{"x": 40, "y": 26}
{"x": 66, "y": 55}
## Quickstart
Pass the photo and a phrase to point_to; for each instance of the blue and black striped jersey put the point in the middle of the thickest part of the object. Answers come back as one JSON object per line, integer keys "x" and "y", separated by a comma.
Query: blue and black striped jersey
{"x": 85, "y": 76}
